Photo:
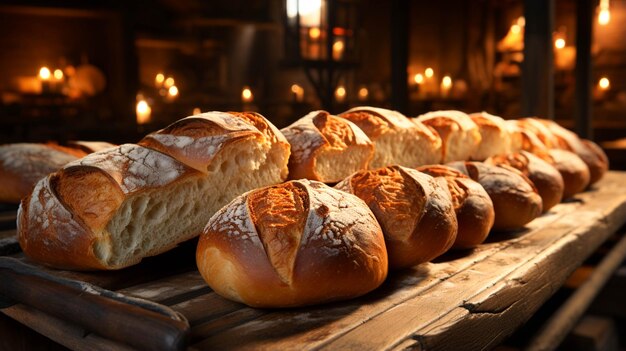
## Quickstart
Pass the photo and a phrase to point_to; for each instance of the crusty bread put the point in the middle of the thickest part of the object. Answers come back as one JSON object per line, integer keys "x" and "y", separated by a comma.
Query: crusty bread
{"x": 537, "y": 128}
{"x": 414, "y": 209}
{"x": 515, "y": 199}
{"x": 326, "y": 148}
{"x": 545, "y": 177}
{"x": 593, "y": 156}
{"x": 23, "y": 164}
{"x": 294, "y": 244}
{"x": 495, "y": 138}
{"x": 574, "y": 171}
{"x": 114, "y": 207}
{"x": 472, "y": 205}
{"x": 459, "y": 134}
{"x": 397, "y": 140}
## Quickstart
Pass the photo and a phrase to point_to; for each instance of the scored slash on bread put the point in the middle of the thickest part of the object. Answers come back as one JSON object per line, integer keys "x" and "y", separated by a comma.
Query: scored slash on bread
{"x": 113, "y": 208}
{"x": 396, "y": 138}
{"x": 293, "y": 244}
{"x": 459, "y": 134}
{"x": 414, "y": 210}
{"x": 472, "y": 205}
{"x": 326, "y": 148}
{"x": 515, "y": 199}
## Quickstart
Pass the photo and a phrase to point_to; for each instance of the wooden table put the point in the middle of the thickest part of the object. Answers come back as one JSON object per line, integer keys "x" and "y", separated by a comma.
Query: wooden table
{"x": 464, "y": 300}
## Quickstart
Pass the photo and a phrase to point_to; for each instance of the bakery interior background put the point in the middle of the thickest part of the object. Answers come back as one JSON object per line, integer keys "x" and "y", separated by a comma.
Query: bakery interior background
{"x": 113, "y": 70}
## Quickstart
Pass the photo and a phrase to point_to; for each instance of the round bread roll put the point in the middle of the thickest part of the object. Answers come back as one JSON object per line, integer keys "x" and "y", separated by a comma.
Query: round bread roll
{"x": 539, "y": 129}
{"x": 575, "y": 172}
{"x": 326, "y": 148}
{"x": 414, "y": 209}
{"x": 459, "y": 134}
{"x": 293, "y": 244}
{"x": 472, "y": 205}
{"x": 545, "y": 177}
{"x": 515, "y": 199}
{"x": 495, "y": 136}
{"x": 593, "y": 156}
{"x": 398, "y": 141}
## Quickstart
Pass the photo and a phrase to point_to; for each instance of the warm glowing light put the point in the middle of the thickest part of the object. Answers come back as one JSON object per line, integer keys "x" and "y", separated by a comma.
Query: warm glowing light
{"x": 143, "y": 112}
{"x": 604, "y": 17}
{"x": 446, "y": 85}
{"x": 310, "y": 11}
{"x": 338, "y": 47}
{"x": 340, "y": 93}
{"x": 246, "y": 95}
{"x": 169, "y": 82}
{"x": 172, "y": 91}
{"x": 521, "y": 21}
{"x": 429, "y": 72}
{"x": 559, "y": 43}
{"x": 363, "y": 93}
{"x": 418, "y": 78}
{"x": 44, "y": 73}
{"x": 315, "y": 33}
{"x": 159, "y": 79}
{"x": 516, "y": 29}
{"x": 196, "y": 111}
{"x": 58, "y": 74}
{"x": 604, "y": 83}
{"x": 298, "y": 92}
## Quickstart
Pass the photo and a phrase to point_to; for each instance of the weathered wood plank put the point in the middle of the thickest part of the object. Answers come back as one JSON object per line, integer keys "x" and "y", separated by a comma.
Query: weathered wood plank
{"x": 439, "y": 285}
{"x": 63, "y": 332}
{"x": 167, "y": 288}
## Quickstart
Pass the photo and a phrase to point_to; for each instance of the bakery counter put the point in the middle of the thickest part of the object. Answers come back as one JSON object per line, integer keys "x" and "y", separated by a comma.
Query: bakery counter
{"x": 463, "y": 300}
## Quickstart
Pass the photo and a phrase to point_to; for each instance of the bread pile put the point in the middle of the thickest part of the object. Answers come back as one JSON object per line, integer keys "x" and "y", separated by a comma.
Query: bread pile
{"x": 407, "y": 190}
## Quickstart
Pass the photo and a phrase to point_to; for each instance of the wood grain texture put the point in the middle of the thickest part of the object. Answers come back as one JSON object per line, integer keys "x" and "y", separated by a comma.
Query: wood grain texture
{"x": 464, "y": 300}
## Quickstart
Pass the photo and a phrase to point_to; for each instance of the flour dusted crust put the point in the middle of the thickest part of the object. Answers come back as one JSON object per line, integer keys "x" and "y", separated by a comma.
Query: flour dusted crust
{"x": 326, "y": 148}
{"x": 397, "y": 139}
{"x": 112, "y": 208}
{"x": 414, "y": 209}
{"x": 294, "y": 244}
{"x": 460, "y": 136}
{"x": 545, "y": 177}
{"x": 23, "y": 164}
{"x": 472, "y": 205}
{"x": 515, "y": 199}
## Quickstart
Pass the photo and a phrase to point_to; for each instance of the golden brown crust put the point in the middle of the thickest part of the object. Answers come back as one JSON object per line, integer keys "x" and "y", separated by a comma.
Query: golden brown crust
{"x": 545, "y": 177}
{"x": 515, "y": 200}
{"x": 414, "y": 210}
{"x": 473, "y": 207}
{"x": 318, "y": 139}
{"x": 340, "y": 249}
{"x": 68, "y": 219}
{"x": 23, "y": 164}
{"x": 574, "y": 171}
{"x": 372, "y": 124}
{"x": 459, "y": 134}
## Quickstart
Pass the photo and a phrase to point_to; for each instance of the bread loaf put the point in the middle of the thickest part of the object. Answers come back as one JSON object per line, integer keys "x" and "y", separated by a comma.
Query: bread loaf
{"x": 326, "y": 148}
{"x": 459, "y": 134}
{"x": 593, "y": 156}
{"x": 574, "y": 171}
{"x": 397, "y": 140}
{"x": 472, "y": 205}
{"x": 545, "y": 177}
{"x": 495, "y": 138}
{"x": 112, "y": 208}
{"x": 23, "y": 164}
{"x": 539, "y": 129}
{"x": 515, "y": 199}
{"x": 294, "y": 244}
{"x": 414, "y": 210}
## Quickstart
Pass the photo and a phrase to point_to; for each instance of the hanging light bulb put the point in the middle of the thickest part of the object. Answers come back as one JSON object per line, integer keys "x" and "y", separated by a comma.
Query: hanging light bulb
{"x": 604, "y": 15}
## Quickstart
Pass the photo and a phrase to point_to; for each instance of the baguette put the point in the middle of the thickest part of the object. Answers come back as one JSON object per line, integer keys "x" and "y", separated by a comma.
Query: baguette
{"x": 112, "y": 208}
